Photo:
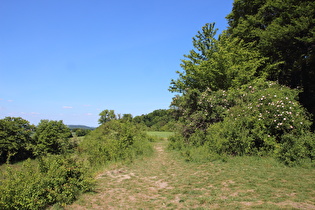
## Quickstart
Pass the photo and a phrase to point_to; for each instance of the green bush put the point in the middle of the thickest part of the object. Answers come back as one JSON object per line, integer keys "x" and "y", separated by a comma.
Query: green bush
{"x": 261, "y": 118}
{"x": 15, "y": 139}
{"x": 49, "y": 180}
{"x": 114, "y": 140}
{"x": 51, "y": 137}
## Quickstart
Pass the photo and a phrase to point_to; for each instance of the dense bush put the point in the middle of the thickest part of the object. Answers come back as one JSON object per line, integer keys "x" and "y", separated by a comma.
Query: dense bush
{"x": 260, "y": 118}
{"x": 49, "y": 180}
{"x": 114, "y": 140}
{"x": 51, "y": 137}
{"x": 158, "y": 120}
{"x": 15, "y": 139}
{"x": 81, "y": 131}
{"x": 55, "y": 176}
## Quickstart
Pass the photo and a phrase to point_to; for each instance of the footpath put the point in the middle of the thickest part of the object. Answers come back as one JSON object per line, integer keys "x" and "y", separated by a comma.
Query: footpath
{"x": 166, "y": 181}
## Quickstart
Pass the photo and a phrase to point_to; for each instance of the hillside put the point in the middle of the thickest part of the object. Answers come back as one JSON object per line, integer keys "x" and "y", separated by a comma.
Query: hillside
{"x": 81, "y": 127}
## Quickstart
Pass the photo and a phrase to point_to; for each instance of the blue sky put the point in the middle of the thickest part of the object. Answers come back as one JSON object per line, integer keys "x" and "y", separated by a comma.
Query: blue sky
{"x": 70, "y": 59}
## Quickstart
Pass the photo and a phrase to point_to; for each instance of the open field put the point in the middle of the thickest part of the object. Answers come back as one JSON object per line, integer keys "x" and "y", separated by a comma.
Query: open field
{"x": 165, "y": 180}
{"x": 160, "y": 134}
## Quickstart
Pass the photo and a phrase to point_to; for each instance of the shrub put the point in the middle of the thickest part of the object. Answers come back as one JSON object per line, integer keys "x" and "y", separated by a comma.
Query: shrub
{"x": 260, "y": 118}
{"x": 15, "y": 139}
{"x": 114, "y": 140}
{"x": 51, "y": 137}
{"x": 50, "y": 180}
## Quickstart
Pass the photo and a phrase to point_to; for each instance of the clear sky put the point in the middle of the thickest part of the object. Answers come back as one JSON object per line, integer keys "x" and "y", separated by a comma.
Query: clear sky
{"x": 70, "y": 59}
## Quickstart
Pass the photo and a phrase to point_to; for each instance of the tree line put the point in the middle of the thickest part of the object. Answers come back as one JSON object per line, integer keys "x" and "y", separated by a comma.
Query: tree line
{"x": 157, "y": 120}
{"x": 20, "y": 140}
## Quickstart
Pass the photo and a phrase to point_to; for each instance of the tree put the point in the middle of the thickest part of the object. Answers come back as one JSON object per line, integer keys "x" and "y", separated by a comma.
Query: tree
{"x": 218, "y": 63}
{"x": 106, "y": 116}
{"x": 158, "y": 120}
{"x": 82, "y": 131}
{"x": 127, "y": 117}
{"x": 51, "y": 137}
{"x": 15, "y": 138}
{"x": 283, "y": 31}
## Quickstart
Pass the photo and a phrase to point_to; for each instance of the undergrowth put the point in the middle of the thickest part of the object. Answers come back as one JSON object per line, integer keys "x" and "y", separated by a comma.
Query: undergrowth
{"x": 59, "y": 179}
{"x": 48, "y": 180}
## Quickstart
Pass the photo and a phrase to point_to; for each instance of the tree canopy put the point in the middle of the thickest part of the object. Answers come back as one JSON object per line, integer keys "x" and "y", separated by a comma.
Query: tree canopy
{"x": 51, "y": 137}
{"x": 218, "y": 63}
{"x": 283, "y": 31}
{"x": 106, "y": 116}
{"x": 15, "y": 138}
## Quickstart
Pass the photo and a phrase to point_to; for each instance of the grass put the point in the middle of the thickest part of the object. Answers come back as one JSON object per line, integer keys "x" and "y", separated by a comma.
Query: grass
{"x": 165, "y": 180}
{"x": 160, "y": 134}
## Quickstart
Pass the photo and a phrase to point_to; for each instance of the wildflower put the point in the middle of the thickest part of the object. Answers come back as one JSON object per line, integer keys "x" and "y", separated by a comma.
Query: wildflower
{"x": 284, "y": 118}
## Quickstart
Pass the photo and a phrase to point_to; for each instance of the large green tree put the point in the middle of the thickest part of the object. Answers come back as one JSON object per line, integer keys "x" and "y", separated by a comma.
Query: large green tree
{"x": 283, "y": 31}
{"x": 15, "y": 138}
{"x": 106, "y": 116}
{"x": 218, "y": 63}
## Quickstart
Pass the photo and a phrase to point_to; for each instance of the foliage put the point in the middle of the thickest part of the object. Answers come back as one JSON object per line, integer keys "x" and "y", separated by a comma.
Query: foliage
{"x": 15, "y": 138}
{"x": 51, "y": 179}
{"x": 284, "y": 32}
{"x": 51, "y": 137}
{"x": 228, "y": 107}
{"x": 81, "y": 131}
{"x": 260, "y": 118}
{"x": 106, "y": 116}
{"x": 218, "y": 64}
{"x": 127, "y": 117}
{"x": 158, "y": 120}
{"x": 112, "y": 141}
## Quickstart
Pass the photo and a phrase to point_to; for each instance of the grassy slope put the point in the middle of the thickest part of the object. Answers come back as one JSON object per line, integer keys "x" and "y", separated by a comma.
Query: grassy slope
{"x": 166, "y": 181}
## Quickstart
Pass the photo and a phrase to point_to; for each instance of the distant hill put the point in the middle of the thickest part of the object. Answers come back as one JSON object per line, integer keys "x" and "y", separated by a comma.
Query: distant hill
{"x": 81, "y": 126}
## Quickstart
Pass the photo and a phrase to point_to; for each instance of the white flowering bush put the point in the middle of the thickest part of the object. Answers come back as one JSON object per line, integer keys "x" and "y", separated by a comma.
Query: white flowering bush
{"x": 260, "y": 118}
{"x": 266, "y": 120}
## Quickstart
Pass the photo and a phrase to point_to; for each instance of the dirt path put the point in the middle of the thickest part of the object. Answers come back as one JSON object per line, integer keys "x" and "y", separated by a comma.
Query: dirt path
{"x": 166, "y": 181}
{"x": 144, "y": 184}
